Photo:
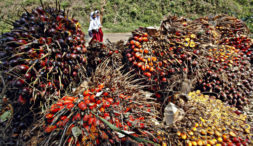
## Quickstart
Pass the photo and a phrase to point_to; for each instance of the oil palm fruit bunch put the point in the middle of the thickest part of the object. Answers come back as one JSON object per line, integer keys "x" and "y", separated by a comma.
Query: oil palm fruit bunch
{"x": 202, "y": 28}
{"x": 208, "y": 121}
{"x": 229, "y": 76}
{"x": 243, "y": 43}
{"x": 40, "y": 56}
{"x": 229, "y": 26}
{"x": 99, "y": 52}
{"x": 224, "y": 60}
{"x": 109, "y": 96}
{"x": 164, "y": 60}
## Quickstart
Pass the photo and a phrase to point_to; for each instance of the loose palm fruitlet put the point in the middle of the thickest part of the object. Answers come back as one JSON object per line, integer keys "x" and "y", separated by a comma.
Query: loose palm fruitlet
{"x": 40, "y": 56}
{"x": 110, "y": 95}
{"x": 208, "y": 121}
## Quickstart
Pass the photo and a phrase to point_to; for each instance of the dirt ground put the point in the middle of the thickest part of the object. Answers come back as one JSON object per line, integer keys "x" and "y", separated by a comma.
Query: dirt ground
{"x": 114, "y": 37}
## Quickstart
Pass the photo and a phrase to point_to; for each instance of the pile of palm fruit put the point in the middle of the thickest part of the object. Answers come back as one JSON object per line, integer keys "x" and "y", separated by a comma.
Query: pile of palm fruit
{"x": 195, "y": 52}
{"x": 189, "y": 83}
{"x": 42, "y": 55}
{"x": 99, "y": 52}
{"x": 111, "y": 96}
{"x": 208, "y": 121}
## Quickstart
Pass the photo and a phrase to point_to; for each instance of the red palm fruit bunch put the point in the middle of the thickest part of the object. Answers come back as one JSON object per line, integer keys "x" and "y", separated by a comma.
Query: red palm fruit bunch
{"x": 229, "y": 76}
{"x": 229, "y": 26}
{"x": 208, "y": 121}
{"x": 99, "y": 52}
{"x": 41, "y": 55}
{"x": 111, "y": 96}
{"x": 164, "y": 60}
{"x": 243, "y": 43}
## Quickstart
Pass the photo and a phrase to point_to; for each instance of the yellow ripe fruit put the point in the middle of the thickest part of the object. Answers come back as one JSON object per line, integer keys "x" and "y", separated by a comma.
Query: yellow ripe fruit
{"x": 196, "y": 124}
{"x": 208, "y": 144}
{"x": 212, "y": 142}
{"x": 232, "y": 134}
{"x": 184, "y": 136}
{"x": 189, "y": 143}
{"x": 164, "y": 144}
{"x": 219, "y": 129}
{"x": 203, "y": 132}
{"x": 194, "y": 143}
{"x": 193, "y": 36}
{"x": 247, "y": 131}
{"x": 186, "y": 44}
{"x": 194, "y": 129}
{"x": 198, "y": 92}
{"x": 210, "y": 132}
{"x": 202, "y": 120}
{"x": 178, "y": 133}
{"x": 193, "y": 138}
{"x": 200, "y": 142}
{"x": 219, "y": 139}
{"x": 218, "y": 134}
{"x": 84, "y": 138}
{"x": 190, "y": 133}
{"x": 218, "y": 144}
{"x": 215, "y": 141}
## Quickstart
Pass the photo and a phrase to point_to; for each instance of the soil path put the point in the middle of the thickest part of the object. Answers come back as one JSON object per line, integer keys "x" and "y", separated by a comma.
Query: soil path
{"x": 113, "y": 37}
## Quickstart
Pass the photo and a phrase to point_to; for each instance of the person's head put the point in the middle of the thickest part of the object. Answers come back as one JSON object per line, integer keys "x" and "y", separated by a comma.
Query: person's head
{"x": 92, "y": 15}
{"x": 97, "y": 12}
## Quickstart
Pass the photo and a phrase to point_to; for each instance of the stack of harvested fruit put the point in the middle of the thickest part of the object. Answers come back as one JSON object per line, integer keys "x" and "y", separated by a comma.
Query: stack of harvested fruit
{"x": 243, "y": 43}
{"x": 42, "y": 55}
{"x": 99, "y": 52}
{"x": 207, "y": 121}
{"x": 181, "y": 53}
{"x": 165, "y": 60}
{"x": 111, "y": 96}
{"x": 229, "y": 26}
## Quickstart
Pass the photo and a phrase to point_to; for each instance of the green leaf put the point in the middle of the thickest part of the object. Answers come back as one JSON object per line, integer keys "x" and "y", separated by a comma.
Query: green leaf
{"x": 76, "y": 132}
{"x": 140, "y": 140}
{"x": 5, "y": 116}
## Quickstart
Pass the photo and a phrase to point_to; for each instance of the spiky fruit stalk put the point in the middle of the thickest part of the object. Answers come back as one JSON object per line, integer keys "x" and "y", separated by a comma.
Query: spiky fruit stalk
{"x": 110, "y": 95}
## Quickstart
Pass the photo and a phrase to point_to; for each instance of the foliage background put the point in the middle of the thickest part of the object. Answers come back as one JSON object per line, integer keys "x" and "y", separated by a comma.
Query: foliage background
{"x": 127, "y": 15}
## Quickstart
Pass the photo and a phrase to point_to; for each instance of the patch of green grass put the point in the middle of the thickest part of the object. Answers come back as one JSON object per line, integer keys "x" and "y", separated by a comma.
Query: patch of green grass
{"x": 65, "y": 4}
{"x": 29, "y": 2}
